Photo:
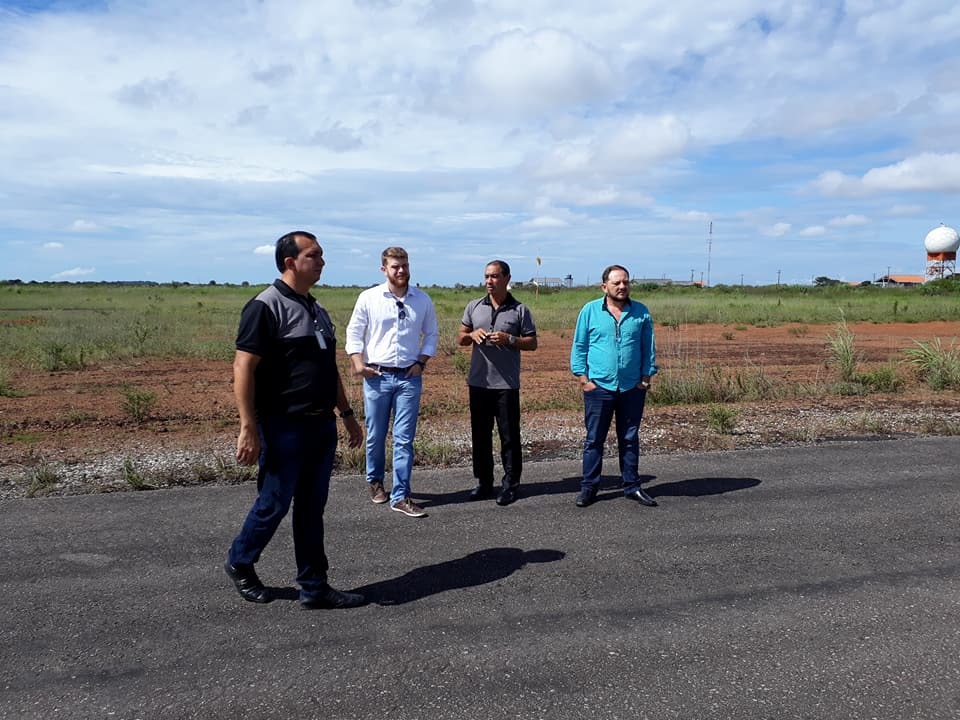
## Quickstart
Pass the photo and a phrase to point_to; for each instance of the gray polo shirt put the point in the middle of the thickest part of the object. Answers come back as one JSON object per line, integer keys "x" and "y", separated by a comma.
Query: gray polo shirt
{"x": 492, "y": 367}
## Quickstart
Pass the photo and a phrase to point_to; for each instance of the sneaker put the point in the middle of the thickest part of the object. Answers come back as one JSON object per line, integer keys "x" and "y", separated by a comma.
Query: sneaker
{"x": 377, "y": 494}
{"x": 407, "y": 507}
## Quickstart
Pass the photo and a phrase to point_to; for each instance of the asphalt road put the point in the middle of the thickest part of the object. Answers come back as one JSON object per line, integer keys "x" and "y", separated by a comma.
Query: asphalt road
{"x": 817, "y": 582}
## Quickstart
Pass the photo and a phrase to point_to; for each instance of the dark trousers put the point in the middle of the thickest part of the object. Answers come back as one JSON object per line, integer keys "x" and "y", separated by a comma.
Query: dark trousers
{"x": 502, "y": 406}
{"x": 296, "y": 459}
{"x": 600, "y": 407}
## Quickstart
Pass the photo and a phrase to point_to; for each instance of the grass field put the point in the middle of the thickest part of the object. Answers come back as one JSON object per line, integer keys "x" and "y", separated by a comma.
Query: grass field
{"x": 54, "y": 326}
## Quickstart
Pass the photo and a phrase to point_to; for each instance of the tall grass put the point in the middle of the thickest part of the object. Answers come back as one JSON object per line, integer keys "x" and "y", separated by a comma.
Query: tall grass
{"x": 938, "y": 366}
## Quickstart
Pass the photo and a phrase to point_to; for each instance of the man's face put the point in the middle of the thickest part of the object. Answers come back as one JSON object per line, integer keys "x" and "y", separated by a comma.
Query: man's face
{"x": 308, "y": 264}
{"x": 495, "y": 281}
{"x": 617, "y": 286}
{"x": 397, "y": 271}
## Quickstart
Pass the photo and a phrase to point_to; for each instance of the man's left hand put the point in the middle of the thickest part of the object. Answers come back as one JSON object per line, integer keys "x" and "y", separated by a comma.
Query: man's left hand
{"x": 353, "y": 430}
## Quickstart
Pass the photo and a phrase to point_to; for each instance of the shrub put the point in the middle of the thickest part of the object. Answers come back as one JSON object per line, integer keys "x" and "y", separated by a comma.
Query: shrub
{"x": 133, "y": 477}
{"x": 721, "y": 418}
{"x": 938, "y": 366}
{"x": 138, "y": 403}
{"x": 842, "y": 352}
{"x": 883, "y": 379}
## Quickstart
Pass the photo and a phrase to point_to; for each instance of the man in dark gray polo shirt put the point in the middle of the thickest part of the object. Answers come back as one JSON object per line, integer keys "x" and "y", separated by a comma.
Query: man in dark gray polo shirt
{"x": 287, "y": 385}
{"x": 499, "y": 328}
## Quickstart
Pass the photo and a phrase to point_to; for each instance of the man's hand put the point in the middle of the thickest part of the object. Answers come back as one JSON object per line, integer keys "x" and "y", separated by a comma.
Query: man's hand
{"x": 248, "y": 446}
{"x": 354, "y": 431}
{"x": 479, "y": 336}
{"x": 365, "y": 372}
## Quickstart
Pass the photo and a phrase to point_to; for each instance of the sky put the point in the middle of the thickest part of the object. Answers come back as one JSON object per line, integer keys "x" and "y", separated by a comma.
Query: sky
{"x": 743, "y": 141}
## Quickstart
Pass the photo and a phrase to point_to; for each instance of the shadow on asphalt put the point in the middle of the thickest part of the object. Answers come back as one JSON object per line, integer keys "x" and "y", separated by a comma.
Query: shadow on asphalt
{"x": 610, "y": 487}
{"x": 696, "y": 487}
{"x": 477, "y": 568}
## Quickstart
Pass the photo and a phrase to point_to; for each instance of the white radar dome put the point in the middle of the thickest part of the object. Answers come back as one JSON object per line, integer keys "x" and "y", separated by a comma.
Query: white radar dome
{"x": 942, "y": 239}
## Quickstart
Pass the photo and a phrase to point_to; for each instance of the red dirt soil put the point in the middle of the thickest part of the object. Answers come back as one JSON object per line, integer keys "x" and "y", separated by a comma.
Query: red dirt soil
{"x": 75, "y": 417}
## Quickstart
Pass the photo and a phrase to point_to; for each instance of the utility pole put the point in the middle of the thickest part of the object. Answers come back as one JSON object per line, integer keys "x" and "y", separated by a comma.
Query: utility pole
{"x": 691, "y": 275}
{"x": 741, "y": 279}
{"x": 778, "y": 278}
{"x": 709, "y": 248}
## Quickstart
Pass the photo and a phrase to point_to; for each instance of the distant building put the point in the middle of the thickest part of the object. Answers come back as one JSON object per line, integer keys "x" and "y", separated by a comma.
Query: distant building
{"x": 894, "y": 280}
{"x": 666, "y": 281}
{"x": 552, "y": 281}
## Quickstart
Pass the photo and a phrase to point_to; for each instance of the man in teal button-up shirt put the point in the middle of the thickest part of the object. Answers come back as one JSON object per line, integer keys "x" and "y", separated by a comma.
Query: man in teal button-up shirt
{"x": 614, "y": 357}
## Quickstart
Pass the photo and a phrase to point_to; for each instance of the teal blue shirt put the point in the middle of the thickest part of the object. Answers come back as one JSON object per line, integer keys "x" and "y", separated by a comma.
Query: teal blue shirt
{"x": 613, "y": 355}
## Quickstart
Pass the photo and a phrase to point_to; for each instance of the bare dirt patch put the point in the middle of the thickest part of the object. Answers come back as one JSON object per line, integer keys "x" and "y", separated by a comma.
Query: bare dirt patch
{"x": 75, "y": 424}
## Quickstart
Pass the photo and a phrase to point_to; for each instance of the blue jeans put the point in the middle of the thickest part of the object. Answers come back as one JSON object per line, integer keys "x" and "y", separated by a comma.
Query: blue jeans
{"x": 599, "y": 408}
{"x": 382, "y": 395}
{"x": 296, "y": 459}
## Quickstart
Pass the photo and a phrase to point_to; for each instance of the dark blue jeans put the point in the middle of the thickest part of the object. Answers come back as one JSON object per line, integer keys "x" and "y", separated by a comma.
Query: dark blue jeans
{"x": 599, "y": 408}
{"x": 296, "y": 459}
{"x": 502, "y": 406}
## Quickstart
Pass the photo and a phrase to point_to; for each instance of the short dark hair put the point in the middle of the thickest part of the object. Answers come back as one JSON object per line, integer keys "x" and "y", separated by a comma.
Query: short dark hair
{"x": 504, "y": 267}
{"x": 287, "y": 247}
{"x": 611, "y": 268}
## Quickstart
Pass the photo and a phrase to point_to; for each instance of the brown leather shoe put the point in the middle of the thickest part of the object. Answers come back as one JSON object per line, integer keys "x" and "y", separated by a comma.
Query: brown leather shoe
{"x": 377, "y": 494}
{"x": 409, "y": 508}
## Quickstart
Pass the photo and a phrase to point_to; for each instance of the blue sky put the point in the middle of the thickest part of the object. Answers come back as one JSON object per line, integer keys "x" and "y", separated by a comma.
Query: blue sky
{"x": 176, "y": 140}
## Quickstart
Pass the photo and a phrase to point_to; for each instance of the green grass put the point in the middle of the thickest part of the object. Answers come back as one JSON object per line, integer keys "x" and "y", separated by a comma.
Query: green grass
{"x": 70, "y": 326}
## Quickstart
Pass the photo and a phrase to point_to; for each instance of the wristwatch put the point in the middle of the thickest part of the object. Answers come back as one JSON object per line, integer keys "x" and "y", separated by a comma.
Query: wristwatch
{"x": 511, "y": 340}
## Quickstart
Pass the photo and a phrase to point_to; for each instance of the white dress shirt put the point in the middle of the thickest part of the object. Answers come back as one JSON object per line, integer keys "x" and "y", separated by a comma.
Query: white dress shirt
{"x": 376, "y": 329}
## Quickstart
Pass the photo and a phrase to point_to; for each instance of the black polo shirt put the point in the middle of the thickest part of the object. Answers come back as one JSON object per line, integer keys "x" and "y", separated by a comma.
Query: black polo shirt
{"x": 295, "y": 374}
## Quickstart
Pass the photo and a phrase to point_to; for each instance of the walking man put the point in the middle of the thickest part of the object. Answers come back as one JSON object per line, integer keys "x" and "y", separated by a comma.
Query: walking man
{"x": 286, "y": 385}
{"x": 499, "y": 328}
{"x": 390, "y": 337}
{"x": 613, "y": 356}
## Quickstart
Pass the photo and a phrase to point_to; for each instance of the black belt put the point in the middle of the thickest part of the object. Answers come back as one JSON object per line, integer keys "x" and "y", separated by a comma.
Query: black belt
{"x": 394, "y": 370}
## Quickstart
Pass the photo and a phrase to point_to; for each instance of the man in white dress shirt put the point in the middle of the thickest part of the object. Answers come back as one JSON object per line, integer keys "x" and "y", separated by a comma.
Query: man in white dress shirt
{"x": 391, "y": 335}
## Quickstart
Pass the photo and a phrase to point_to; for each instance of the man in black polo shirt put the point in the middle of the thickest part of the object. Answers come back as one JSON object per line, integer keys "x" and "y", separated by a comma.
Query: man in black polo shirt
{"x": 498, "y": 327}
{"x": 286, "y": 385}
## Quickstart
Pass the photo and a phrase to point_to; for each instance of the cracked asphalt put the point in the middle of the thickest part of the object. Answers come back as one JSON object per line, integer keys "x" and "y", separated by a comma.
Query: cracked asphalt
{"x": 807, "y": 582}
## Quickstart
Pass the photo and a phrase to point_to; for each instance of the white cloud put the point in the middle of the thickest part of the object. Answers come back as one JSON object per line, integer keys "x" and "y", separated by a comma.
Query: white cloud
{"x": 545, "y": 221}
{"x": 905, "y": 210}
{"x": 927, "y": 172}
{"x": 521, "y": 72}
{"x": 776, "y": 230}
{"x": 924, "y": 172}
{"x": 53, "y": 246}
{"x": 83, "y": 226}
{"x": 264, "y": 250}
{"x": 444, "y": 124}
{"x": 848, "y": 221}
{"x": 73, "y": 273}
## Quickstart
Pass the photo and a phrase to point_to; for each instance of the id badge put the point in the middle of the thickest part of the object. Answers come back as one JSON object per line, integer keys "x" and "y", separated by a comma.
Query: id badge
{"x": 320, "y": 340}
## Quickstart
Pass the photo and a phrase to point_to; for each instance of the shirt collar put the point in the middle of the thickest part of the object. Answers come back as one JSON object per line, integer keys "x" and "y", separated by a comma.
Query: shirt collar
{"x": 508, "y": 301}
{"x": 289, "y": 292}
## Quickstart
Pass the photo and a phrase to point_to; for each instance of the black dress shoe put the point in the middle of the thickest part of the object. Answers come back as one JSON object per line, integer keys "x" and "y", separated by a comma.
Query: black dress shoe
{"x": 330, "y": 599}
{"x": 641, "y": 497}
{"x": 507, "y": 496}
{"x": 586, "y": 497}
{"x": 247, "y": 583}
{"x": 481, "y": 492}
